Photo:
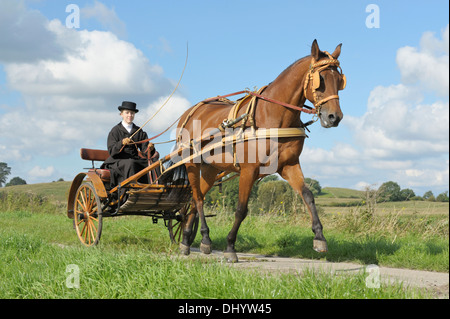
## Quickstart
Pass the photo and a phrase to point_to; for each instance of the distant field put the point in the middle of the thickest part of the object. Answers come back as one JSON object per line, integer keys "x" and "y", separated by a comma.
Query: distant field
{"x": 404, "y": 208}
{"x": 57, "y": 191}
{"x": 335, "y": 192}
{"x": 333, "y": 200}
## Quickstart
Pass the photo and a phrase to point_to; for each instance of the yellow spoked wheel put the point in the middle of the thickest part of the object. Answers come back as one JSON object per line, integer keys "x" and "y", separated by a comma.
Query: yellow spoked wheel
{"x": 88, "y": 215}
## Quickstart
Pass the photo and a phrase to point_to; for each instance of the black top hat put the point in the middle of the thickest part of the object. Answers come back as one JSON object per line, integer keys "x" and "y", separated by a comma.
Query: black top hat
{"x": 126, "y": 105}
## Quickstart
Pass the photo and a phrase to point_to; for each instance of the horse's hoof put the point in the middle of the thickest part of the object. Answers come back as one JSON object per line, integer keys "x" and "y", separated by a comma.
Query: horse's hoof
{"x": 320, "y": 246}
{"x": 185, "y": 250}
{"x": 205, "y": 248}
{"x": 231, "y": 257}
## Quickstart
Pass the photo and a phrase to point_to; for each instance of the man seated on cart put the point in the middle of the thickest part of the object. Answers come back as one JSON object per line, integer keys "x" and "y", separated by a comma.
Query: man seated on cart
{"x": 124, "y": 148}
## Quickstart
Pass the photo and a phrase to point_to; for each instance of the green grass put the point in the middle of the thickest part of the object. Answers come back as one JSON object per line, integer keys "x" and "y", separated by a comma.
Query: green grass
{"x": 135, "y": 258}
{"x": 32, "y": 267}
{"x": 392, "y": 241}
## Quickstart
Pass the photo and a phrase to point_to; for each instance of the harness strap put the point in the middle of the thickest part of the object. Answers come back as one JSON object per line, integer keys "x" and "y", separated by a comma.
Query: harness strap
{"x": 245, "y": 136}
{"x": 314, "y": 70}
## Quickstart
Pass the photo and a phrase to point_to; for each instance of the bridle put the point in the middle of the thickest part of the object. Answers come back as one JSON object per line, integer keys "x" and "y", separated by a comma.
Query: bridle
{"x": 313, "y": 76}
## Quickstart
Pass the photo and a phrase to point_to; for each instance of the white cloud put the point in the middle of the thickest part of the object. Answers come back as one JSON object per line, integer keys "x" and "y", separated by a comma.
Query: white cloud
{"x": 71, "y": 99}
{"x": 174, "y": 108}
{"x": 95, "y": 63}
{"x": 107, "y": 17}
{"x": 428, "y": 65}
{"x": 38, "y": 172}
{"x": 24, "y": 35}
{"x": 397, "y": 125}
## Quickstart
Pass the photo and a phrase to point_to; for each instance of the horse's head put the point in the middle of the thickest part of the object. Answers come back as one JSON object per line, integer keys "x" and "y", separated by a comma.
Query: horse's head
{"x": 323, "y": 81}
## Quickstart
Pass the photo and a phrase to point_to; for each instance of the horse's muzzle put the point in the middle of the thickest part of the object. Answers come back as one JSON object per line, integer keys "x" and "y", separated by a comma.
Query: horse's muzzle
{"x": 330, "y": 119}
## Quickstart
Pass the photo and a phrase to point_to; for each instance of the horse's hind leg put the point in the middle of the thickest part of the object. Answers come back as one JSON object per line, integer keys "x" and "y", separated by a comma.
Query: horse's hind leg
{"x": 293, "y": 174}
{"x": 200, "y": 186}
{"x": 246, "y": 181}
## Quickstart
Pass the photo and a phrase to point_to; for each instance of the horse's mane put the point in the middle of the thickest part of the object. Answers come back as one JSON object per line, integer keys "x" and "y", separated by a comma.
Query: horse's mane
{"x": 301, "y": 60}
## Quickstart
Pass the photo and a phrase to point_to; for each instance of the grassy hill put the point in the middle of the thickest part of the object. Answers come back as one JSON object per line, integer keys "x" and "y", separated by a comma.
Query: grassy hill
{"x": 335, "y": 192}
{"x": 57, "y": 191}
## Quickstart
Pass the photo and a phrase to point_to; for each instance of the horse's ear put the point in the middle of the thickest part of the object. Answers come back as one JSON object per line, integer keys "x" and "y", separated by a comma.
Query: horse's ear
{"x": 337, "y": 51}
{"x": 315, "y": 50}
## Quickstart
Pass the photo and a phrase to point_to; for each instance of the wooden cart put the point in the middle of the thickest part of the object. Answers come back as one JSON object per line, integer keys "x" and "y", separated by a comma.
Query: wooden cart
{"x": 91, "y": 199}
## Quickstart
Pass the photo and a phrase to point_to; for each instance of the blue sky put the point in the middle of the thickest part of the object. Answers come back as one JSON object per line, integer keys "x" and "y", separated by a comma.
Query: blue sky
{"x": 60, "y": 87}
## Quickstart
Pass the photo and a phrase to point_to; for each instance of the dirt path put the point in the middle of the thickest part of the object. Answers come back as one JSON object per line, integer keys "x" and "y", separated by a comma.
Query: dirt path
{"x": 436, "y": 281}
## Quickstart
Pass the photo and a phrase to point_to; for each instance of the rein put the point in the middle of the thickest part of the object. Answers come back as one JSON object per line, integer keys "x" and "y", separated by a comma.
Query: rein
{"x": 313, "y": 76}
{"x": 305, "y": 109}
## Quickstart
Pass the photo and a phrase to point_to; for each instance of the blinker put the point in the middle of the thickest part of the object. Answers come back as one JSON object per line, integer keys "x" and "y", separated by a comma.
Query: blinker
{"x": 343, "y": 83}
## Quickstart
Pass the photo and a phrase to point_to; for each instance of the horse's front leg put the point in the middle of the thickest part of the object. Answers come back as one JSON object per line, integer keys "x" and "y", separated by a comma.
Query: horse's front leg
{"x": 293, "y": 174}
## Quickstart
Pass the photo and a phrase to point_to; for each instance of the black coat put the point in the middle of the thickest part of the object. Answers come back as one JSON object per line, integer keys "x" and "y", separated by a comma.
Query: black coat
{"x": 127, "y": 162}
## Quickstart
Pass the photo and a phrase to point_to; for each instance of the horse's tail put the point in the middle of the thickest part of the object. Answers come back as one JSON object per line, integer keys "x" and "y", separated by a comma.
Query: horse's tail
{"x": 176, "y": 177}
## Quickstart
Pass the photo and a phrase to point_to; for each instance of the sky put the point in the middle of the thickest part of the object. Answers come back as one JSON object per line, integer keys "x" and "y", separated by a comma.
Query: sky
{"x": 61, "y": 82}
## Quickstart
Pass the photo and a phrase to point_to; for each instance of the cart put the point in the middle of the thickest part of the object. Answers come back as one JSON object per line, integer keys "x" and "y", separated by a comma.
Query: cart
{"x": 91, "y": 199}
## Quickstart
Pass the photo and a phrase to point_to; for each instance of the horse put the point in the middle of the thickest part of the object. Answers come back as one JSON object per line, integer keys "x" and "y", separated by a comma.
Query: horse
{"x": 317, "y": 78}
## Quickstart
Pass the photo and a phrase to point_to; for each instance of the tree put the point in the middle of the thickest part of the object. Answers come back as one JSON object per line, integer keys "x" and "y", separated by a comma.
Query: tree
{"x": 16, "y": 181}
{"x": 429, "y": 196}
{"x": 442, "y": 197}
{"x": 275, "y": 195}
{"x": 390, "y": 192}
{"x": 407, "y": 194}
{"x": 229, "y": 195}
{"x": 4, "y": 172}
{"x": 313, "y": 185}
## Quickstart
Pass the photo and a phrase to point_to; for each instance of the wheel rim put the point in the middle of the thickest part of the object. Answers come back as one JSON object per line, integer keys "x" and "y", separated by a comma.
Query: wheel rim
{"x": 88, "y": 215}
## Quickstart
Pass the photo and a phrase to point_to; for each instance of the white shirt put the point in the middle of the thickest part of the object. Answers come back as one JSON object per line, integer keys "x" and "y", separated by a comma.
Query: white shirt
{"x": 128, "y": 127}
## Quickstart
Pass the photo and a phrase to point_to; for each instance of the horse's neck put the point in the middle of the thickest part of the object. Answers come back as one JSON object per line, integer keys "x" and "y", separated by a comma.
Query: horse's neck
{"x": 288, "y": 88}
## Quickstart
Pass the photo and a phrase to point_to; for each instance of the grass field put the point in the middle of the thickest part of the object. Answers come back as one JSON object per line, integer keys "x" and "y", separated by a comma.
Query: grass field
{"x": 135, "y": 258}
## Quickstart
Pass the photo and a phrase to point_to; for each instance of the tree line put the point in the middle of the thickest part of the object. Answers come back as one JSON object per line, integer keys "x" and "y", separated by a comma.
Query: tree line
{"x": 271, "y": 190}
{"x": 392, "y": 192}
{"x": 5, "y": 170}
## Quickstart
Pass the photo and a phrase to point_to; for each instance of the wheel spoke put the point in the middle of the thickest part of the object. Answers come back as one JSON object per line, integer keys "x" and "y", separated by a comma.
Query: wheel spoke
{"x": 89, "y": 200}
{"x": 91, "y": 231}
{"x": 93, "y": 224}
{"x": 78, "y": 201}
{"x": 93, "y": 218}
{"x": 82, "y": 233}
{"x": 82, "y": 198}
{"x": 177, "y": 233}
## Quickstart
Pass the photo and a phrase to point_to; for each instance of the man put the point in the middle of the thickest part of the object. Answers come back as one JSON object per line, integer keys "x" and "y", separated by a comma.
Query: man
{"x": 124, "y": 160}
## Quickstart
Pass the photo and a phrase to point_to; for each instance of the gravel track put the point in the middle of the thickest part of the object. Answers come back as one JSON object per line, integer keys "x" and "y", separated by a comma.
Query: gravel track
{"x": 437, "y": 282}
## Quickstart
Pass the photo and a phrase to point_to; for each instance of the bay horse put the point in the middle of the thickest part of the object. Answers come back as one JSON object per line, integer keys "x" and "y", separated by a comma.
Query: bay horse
{"x": 315, "y": 78}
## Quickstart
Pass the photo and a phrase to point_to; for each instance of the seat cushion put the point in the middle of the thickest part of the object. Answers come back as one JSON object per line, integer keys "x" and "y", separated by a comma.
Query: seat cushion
{"x": 105, "y": 174}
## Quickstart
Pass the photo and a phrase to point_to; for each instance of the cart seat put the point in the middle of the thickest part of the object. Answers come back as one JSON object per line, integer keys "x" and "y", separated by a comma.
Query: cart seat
{"x": 101, "y": 156}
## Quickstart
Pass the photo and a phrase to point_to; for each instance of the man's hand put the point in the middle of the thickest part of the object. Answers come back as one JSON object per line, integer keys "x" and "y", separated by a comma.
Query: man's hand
{"x": 151, "y": 147}
{"x": 126, "y": 141}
